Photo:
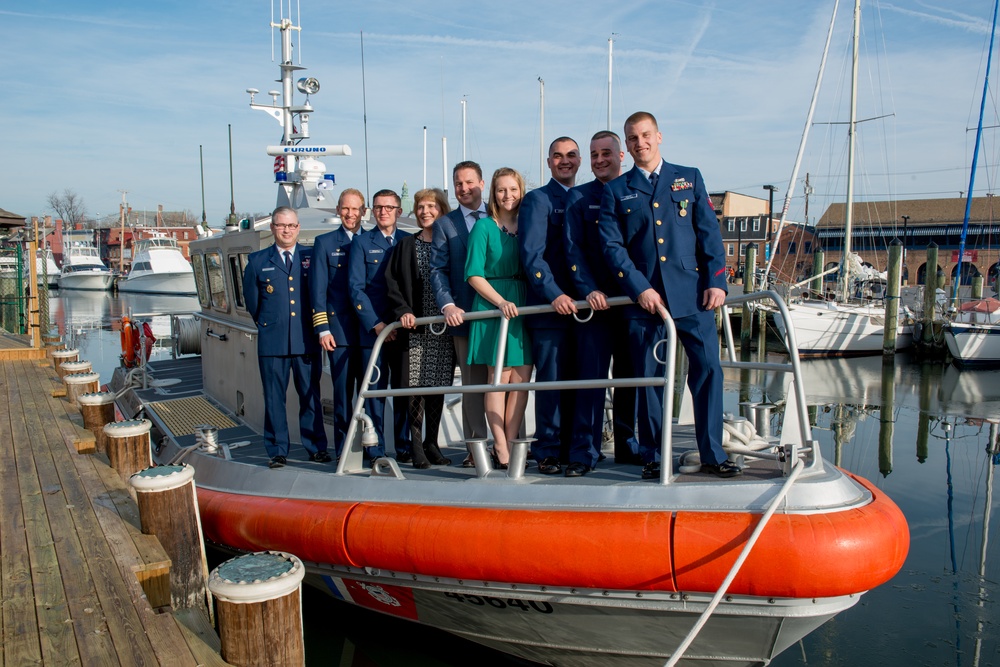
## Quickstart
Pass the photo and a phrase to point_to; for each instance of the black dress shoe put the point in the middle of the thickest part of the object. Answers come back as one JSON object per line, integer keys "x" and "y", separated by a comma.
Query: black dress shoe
{"x": 651, "y": 470}
{"x": 320, "y": 457}
{"x": 404, "y": 457}
{"x": 277, "y": 462}
{"x": 724, "y": 469}
{"x": 577, "y": 469}
{"x": 549, "y": 466}
{"x": 468, "y": 462}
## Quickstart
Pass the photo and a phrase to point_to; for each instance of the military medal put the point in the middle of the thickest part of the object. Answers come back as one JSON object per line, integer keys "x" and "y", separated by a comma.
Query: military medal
{"x": 270, "y": 289}
{"x": 684, "y": 208}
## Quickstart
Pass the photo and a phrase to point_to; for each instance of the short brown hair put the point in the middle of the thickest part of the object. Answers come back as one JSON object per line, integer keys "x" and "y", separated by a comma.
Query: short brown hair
{"x": 467, "y": 164}
{"x": 350, "y": 191}
{"x": 387, "y": 193}
{"x": 608, "y": 134}
{"x": 432, "y": 193}
{"x": 561, "y": 139}
{"x": 640, "y": 116}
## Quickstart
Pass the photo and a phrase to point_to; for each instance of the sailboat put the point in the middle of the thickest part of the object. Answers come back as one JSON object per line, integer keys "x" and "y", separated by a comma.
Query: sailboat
{"x": 972, "y": 331}
{"x": 853, "y": 322}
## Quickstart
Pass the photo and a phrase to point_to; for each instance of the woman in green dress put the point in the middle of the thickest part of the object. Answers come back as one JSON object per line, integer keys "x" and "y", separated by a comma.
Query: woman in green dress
{"x": 493, "y": 269}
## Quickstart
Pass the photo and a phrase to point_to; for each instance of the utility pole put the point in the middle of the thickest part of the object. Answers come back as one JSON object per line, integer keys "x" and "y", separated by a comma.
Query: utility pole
{"x": 122, "y": 215}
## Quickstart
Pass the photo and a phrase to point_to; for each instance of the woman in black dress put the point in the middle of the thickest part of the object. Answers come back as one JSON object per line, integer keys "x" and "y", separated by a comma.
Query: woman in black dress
{"x": 431, "y": 357}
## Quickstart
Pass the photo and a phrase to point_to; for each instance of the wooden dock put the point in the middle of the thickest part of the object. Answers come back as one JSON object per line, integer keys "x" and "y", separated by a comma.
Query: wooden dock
{"x": 80, "y": 583}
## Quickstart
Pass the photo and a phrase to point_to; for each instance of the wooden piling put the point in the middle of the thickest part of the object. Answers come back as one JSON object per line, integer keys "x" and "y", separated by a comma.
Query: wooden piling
{"x": 892, "y": 298}
{"x": 78, "y": 384}
{"x": 128, "y": 446}
{"x": 930, "y": 295}
{"x": 168, "y": 509}
{"x": 259, "y": 605}
{"x": 59, "y": 357}
{"x": 749, "y": 271}
{"x": 98, "y": 411}
{"x": 78, "y": 366}
{"x": 819, "y": 258}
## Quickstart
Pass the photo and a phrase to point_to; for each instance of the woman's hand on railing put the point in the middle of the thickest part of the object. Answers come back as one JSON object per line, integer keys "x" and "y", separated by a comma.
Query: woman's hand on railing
{"x": 508, "y": 308}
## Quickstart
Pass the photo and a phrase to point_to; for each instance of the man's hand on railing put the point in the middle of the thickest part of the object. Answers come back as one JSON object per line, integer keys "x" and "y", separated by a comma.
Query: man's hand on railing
{"x": 326, "y": 341}
{"x": 564, "y": 305}
{"x": 453, "y": 315}
{"x": 650, "y": 301}
{"x": 378, "y": 329}
{"x": 408, "y": 321}
{"x": 597, "y": 300}
{"x": 713, "y": 298}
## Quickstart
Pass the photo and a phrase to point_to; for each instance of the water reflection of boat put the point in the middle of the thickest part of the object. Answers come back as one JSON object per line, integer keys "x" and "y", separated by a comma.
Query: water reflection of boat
{"x": 158, "y": 267}
{"x": 597, "y": 570}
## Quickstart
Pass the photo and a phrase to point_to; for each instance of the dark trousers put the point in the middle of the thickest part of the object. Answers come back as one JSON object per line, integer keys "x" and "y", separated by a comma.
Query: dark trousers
{"x": 392, "y": 365}
{"x": 698, "y": 336}
{"x": 345, "y": 369}
{"x": 598, "y": 341}
{"x": 552, "y": 350}
{"x": 306, "y": 371}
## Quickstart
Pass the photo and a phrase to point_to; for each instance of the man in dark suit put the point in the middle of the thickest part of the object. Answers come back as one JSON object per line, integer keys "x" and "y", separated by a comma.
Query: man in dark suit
{"x": 453, "y": 294}
{"x": 542, "y": 246}
{"x": 659, "y": 228}
{"x": 275, "y": 287}
{"x": 370, "y": 252}
{"x": 333, "y": 316}
{"x": 598, "y": 340}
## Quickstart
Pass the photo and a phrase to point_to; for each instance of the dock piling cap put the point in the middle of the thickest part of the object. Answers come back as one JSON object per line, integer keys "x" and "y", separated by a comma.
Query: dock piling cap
{"x": 162, "y": 478}
{"x": 77, "y": 367}
{"x": 96, "y": 398}
{"x": 59, "y": 354}
{"x": 256, "y": 577}
{"x": 127, "y": 428}
{"x": 81, "y": 378}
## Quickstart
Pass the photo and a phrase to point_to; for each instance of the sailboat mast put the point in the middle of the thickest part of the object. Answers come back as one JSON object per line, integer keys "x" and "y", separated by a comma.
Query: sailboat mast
{"x": 975, "y": 159}
{"x": 852, "y": 128}
{"x": 611, "y": 42}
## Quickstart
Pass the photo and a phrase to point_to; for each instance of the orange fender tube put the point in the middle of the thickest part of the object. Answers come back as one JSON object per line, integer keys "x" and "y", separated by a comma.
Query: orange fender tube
{"x": 617, "y": 550}
{"x": 800, "y": 556}
{"x": 312, "y": 530}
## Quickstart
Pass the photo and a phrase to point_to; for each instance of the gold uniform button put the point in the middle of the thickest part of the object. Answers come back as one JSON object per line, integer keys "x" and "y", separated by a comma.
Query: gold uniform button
{"x": 660, "y": 241}
{"x": 290, "y": 278}
{"x": 291, "y": 289}
{"x": 573, "y": 267}
{"x": 293, "y": 303}
{"x": 359, "y": 306}
{"x": 293, "y": 313}
{"x": 656, "y": 204}
{"x": 659, "y": 222}
{"x": 538, "y": 274}
{"x": 662, "y": 258}
{"x": 338, "y": 266}
{"x": 628, "y": 210}
{"x": 621, "y": 275}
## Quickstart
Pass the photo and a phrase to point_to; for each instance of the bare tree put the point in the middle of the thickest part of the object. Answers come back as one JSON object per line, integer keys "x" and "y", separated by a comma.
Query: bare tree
{"x": 68, "y": 206}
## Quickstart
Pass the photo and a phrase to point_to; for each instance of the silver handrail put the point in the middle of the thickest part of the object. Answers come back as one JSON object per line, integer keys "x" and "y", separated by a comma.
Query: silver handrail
{"x": 352, "y": 458}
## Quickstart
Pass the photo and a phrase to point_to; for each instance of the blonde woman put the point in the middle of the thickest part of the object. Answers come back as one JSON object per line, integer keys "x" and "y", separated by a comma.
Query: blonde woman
{"x": 493, "y": 269}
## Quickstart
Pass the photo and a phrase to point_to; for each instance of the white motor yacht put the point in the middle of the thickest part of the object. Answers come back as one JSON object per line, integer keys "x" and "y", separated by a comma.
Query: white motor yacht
{"x": 158, "y": 267}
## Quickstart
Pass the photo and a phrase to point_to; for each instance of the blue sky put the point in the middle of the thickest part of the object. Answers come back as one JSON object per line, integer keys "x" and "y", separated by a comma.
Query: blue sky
{"x": 110, "y": 96}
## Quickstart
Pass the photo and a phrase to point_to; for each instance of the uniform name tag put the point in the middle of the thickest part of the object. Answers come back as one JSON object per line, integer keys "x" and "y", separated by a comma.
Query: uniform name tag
{"x": 375, "y": 251}
{"x": 627, "y": 197}
{"x": 594, "y": 206}
{"x": 267, "y": 268}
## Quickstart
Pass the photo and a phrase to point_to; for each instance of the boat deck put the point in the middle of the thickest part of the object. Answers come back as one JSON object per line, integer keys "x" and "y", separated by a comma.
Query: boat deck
{"x": 176, "y": 404}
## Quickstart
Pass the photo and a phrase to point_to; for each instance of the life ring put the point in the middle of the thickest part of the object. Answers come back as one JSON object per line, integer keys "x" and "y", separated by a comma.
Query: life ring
{"x": 130, "y": 343}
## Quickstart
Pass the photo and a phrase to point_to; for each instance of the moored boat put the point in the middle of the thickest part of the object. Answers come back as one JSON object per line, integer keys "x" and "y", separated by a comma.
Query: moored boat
{"x": 606, "y": 569}
{"x": 82, "y": 268}
{"x": 158, "y": 267}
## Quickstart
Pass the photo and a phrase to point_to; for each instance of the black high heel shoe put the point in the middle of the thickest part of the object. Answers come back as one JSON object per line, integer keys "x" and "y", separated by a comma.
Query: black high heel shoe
{"x": 434, "y": 454}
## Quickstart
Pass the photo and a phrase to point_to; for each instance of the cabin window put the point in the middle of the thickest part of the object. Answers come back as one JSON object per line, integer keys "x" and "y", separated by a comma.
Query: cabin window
{"x": 200, "y": 279}
{"x": 236, "y": 275}
{"x": 216, "y": 281}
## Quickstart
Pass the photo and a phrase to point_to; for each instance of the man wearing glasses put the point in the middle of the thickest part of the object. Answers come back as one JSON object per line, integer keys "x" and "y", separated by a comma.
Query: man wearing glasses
{"x": 275, "y": 286}
{"x": 370, "y": 252}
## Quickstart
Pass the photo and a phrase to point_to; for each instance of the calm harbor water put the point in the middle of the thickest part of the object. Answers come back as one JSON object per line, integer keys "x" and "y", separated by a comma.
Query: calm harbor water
{"x": 920, "y": 433}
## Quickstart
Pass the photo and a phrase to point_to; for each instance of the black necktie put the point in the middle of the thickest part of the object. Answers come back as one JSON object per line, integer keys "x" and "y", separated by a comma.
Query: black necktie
{"x": 389, "y": 240}
{"x": 653, "y": 177}
{"x": 288, "y": 261}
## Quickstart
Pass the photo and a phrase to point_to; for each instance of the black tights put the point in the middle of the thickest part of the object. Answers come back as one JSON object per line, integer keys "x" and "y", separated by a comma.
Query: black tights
{"x": 429, "y": 407}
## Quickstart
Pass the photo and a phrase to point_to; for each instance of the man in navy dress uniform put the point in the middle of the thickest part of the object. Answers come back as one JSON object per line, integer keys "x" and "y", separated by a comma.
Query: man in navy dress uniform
{"x": 275, "y": 287}
{"x": 370, "y": 252}
{"x": 659, "y": 228}
{"x": 598, "y": 340}
{"x": 453, "y": 293}
{"x": 542, "y": 246}
{"x": 333, "y": 316}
